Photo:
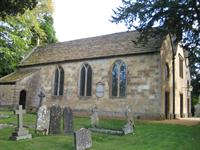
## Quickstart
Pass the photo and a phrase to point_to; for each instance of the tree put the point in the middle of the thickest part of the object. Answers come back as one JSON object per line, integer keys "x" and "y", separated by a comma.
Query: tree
{"x": 13, "y": 7}
{"x": 180, "y": 18}
{"x": 20, "y": 33}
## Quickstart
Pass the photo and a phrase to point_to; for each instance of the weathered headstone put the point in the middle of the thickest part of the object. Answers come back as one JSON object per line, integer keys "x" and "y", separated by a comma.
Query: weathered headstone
{"x": 43, "y": 119}
{"x": 129, "y": 115}
{"x": 55, "y": 120}
{"x": 20, "y": 132}
{"x": 128, "y": 127}
{"x": 94, "y": 117}
{"x": 82, "y": 139}
{"x": 68, "y": 120}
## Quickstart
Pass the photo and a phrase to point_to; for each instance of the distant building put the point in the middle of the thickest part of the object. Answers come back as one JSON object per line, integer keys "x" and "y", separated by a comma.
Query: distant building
{"x": 109, "y": 72}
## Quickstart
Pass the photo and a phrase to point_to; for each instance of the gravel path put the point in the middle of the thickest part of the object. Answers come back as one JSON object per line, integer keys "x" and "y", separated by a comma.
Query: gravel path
{"x": 181, "y": 121}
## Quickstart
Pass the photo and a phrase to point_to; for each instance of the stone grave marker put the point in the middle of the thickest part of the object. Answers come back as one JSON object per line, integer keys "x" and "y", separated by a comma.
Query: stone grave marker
{"x": 20, "y": 132}
{"x": 43, "y": 119}
{"x": 128, "y": 127}
{"x": 68, "y": 120}
{"x": 41, "y": 95}
{"x": 94, "y": 117}
{"x": 82, "y": 139}
{"x": 129, "y": 115}
{"x": 55, "y": 120}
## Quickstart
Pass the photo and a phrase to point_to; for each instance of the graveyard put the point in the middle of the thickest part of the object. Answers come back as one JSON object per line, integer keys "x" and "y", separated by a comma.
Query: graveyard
{"x": 147, "y": 135}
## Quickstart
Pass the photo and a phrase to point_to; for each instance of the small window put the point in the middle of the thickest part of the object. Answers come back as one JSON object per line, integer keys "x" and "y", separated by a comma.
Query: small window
{"x": 180, "y": 66}
{"x": 86, "y": 80}
{"x": 166, "y": 72}
{"x": 59, "y": 81}
{"x": 119, "y": 78}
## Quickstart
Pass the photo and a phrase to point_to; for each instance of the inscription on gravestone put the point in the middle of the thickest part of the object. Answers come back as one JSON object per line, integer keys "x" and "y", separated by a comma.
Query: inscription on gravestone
{"x": 55, "y": 120}
{"x": 68, "y": 120}
{"x": 82, "y": 139}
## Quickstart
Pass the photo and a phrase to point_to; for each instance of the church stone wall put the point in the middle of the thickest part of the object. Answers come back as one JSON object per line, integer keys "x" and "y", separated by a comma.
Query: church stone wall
{"x": 143, "y": 92}
{"x": 6, "y": 96}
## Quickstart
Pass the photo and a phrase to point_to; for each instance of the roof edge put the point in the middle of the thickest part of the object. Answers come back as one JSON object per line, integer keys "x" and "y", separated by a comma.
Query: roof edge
{"x": 92, "y": 58}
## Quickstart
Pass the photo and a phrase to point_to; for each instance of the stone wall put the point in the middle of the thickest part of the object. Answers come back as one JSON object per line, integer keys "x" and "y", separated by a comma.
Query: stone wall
{"x": 143, "y": 86}
{"x": 6, "y": 95}
{"x": 181, "y": 85}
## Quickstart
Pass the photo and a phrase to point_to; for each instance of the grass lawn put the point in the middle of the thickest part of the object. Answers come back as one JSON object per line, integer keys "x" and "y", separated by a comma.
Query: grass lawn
{"x": 148, "y": 136}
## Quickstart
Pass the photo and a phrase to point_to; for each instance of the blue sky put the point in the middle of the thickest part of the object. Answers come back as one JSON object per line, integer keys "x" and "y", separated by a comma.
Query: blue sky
{"x": 75, "y": 19}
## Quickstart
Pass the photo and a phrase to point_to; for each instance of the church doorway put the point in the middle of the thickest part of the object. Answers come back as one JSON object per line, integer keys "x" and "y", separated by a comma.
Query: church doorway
{"x": 22, "y": 99}
{"x": 181, "y": 105}
{"x": 166, "y": 105}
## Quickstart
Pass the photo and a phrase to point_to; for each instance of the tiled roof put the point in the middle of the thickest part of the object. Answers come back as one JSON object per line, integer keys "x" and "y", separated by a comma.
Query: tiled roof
{"x": 101, "y": 46}
{"x": 16, "y": 76}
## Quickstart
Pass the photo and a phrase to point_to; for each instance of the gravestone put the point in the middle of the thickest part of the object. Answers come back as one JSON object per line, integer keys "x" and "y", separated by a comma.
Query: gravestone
{"x": 55, "y": 120}
{"x": 128, "y": 127}
{"x": 20, "y": 132}
{"x": 68, "y": 120}
{"x": 43, "y": 119}
{"x": 82, "y": 139}
{"x": 41, "y": 95}
{"x": 94, "y": 117}
{"x": 129, "y": 115}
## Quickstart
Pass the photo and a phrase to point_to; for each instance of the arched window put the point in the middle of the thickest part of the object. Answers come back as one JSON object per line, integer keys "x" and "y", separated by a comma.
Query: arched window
{"x": 119, "y": 76}
{"x": 86, "y": 80}
{"x": 166, "y": 72}
{"x": 59, "y": 81}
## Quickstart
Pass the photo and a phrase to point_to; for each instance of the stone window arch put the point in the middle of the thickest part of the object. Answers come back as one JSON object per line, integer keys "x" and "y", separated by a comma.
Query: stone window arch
{"x": 85, "y": 80}
{"x": 119, "y": 79}
{"x": 59, "y": 81}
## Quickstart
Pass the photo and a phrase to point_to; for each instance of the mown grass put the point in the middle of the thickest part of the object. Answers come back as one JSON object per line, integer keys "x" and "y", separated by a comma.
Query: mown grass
{"x": 148, "y": 136}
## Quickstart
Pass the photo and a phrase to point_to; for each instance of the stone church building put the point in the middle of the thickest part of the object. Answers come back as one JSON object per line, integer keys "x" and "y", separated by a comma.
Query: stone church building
{"x": 110, "y": 72}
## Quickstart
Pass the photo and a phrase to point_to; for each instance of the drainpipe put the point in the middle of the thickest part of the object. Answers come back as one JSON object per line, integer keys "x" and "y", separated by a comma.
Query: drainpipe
{"x": 173, "y": 76}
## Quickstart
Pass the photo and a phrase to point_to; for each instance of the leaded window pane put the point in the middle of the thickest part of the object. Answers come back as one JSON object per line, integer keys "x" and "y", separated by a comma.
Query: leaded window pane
{"x": 56, "y": 82}
{"x": 82, "y": 81}
{"x": 89, "y": 82}
{"x": 61, "y": 81}
{"x": 115, "y": 80}
{"x": 122, "y": 80}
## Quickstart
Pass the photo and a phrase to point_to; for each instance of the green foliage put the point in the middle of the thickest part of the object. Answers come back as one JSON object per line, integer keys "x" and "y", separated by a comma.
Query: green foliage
{"x": 148, "y": 136}
{"x": 13, "y": 7}
{"x": 180, "y": 18}
{"x": 20, "y": 33}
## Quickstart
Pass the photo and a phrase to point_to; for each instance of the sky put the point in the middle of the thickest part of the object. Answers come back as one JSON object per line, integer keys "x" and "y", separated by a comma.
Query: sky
{"x": 75, "y": 19}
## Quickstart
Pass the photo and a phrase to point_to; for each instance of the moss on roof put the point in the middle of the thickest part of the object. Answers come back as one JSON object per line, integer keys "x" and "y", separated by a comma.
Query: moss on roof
{"x": 102, "y": 46}
{"x": 16, "y": 76}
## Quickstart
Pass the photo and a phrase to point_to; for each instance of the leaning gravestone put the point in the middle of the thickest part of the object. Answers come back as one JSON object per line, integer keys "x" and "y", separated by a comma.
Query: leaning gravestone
{"x": 82, "y": 139}
{"x": 94, "y": 118}
{"x": 55, "y": 120}
{"x": 20, "y": 132}
{"x": 43, "y": 119}
{"x": 68, "y": 120}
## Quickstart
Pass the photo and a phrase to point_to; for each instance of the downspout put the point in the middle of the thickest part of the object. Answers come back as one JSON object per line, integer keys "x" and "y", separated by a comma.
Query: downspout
{"x": 173, "y": 77}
